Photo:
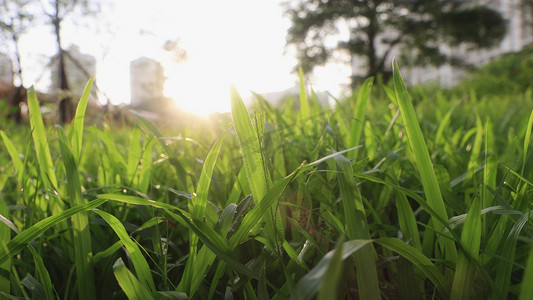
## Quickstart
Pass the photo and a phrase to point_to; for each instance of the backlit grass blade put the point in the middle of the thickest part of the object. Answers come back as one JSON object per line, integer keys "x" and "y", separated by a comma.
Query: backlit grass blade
{"x": 527, "y": 140}
{"x": 80, "y": 222}
{"x": 358, "y": 120}
{"x": 14, "y": 154}
{"x": 131, "y": 286}
{"x": 42, "y": 150}
{"x": 79, "y": 118}
{"x": 250, "y": 147}
{"x": 139, "y": 262}
{"x": 199, "y": 200}
{"x": 310, "y": 284}
{"x": 304, "y": 101}
{"x": 423, "y": 161}
{"x": 252, "y": 155}
{"x": 357, "y": 228}
{"x": 22, "y": 239}
{"x": 134, "y": 155}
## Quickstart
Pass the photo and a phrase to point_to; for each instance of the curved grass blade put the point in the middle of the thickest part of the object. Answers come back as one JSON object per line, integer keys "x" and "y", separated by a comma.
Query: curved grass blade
{"x": 526, "y": 289}
{"x": 527, "y": 140}
{"x": 131, "y": 286}
{"x": 250, "y": 147}
{"x": 423, "y": 161}
{"x": 465, "y": 276}
{"x": 418, "y": 259}
{"x": 330, "y": 282}
{"x": 42, "y": 150}
{"x": 139, "y": 262}
{"x": 25, "y": 237}
{"x": 14, "y": 154}
{"x": 304, "y": 101}
{"x": 358, "y": 120}
{"x": 310, "y": 284}
{"x": 80, "y": 223}
{"x": 5, "y": 236}
{"x": 77, "y": 131}
{"x": 357, "y": 228}
{"x": 42, "y": 274}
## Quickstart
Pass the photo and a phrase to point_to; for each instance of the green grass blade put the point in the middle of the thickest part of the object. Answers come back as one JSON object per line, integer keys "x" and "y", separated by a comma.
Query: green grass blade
{"x": 250, "y": 147}
{"x": 5, "y": 237}
{"x": 139, "y": 262}
{"x": 418, "y": 259}
{"x": 79, "y": 118}
{"x": 304, "y": 101}
{"x": 146, "y": 168}
{"x": 131, "y": 286}
{"x": 42, "y": 274}
{"x": 254, "y": 216}
{"x": 80, "y": 222}
{"x": 358, "y": 120}
{"x": 134, "y": 155}
{"x": 199, "y": 200}
{"x": 526, "y": 289}
{"x": 357, "y": 228}
{"x": 25, "y": 237}
{"x": 423, "y": 161}
{"x": 14, "y": 154}
{"x": 330, "y": 281}
{"x": 527, "y": 140}
{"x": 35, "y": 287}
{"x": 465, "y": 276}
{"x": 310, "y": 284}
{"x": 42, "y": 150}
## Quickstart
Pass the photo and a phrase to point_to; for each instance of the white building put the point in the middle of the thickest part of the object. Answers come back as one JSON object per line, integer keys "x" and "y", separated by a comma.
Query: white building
{"x": 147, "y": 80}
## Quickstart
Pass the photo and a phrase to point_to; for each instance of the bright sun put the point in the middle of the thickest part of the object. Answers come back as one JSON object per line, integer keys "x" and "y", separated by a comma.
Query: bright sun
{"x": 198, "y": 87}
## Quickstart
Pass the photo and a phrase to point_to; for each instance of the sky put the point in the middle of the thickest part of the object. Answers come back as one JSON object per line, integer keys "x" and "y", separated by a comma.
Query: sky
{"x": 232, "y": 42}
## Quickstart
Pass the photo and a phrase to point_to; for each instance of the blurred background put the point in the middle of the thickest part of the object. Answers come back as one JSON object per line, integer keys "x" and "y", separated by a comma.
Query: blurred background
{"x": 149, "y": 55}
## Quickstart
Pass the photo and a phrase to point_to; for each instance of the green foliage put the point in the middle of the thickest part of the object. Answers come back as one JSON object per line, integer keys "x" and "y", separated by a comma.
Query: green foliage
{"x": 412, "y": 194}
{"x": 510, "y": 74}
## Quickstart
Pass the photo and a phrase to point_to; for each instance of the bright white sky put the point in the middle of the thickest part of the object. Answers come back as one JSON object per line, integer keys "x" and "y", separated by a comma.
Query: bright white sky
{"x": 238, "y": 42}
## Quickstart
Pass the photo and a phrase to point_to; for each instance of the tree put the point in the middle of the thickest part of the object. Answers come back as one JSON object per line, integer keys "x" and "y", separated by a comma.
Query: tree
{"x": 57, "y": 11}
{"x": 378, "y": 28}
{"x": 15, "y": 20}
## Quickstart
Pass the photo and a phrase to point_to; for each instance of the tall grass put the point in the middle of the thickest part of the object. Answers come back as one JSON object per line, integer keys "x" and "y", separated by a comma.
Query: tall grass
{"x": 396, "y": 194}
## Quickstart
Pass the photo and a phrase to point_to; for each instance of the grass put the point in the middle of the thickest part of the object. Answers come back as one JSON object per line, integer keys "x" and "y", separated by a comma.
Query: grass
{"x": 392, "y": 193}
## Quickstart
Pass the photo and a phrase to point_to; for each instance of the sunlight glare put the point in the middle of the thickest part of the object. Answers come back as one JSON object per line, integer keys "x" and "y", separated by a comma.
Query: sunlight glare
{"x": 198, "y": 88}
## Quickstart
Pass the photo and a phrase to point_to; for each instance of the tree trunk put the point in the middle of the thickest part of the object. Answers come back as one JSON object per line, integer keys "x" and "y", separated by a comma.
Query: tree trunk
{"x": 17, "y": 94}
{"x": 65, "y": 105}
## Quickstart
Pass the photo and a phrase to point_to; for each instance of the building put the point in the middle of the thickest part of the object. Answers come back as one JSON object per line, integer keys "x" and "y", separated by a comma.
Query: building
{"x": 147, "y": 81}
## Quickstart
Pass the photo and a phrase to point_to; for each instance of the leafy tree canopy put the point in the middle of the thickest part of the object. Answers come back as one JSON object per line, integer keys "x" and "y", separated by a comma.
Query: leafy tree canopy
{"x": 376, "y": 29}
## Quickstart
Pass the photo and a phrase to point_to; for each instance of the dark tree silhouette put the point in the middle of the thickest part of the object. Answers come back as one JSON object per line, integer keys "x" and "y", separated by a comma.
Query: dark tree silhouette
{"x": 57, "y": 11}
{"x": 378, "y": 28}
